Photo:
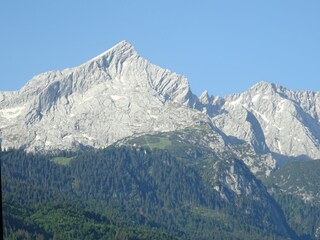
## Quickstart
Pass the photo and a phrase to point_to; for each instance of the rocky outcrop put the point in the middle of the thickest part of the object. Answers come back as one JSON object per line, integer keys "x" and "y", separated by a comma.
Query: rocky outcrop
{"x": 274, "y": 119}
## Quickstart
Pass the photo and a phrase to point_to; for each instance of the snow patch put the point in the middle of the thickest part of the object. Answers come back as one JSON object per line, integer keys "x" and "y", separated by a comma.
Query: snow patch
{"x": 279, "y": 146}
{"x": 264, "y": 118}
{"x": 277, "y": 127}
{"x": 116, "y": 97}
{"x": 11, "y": 113}
{"x": 255, "y": 98}
{"x": 297, "y": 139}
{"x": 236, "y": 102}
{"x": 87, "y": 99}
{"x": 49, "y": 143}
{"x": 88, "y": 137}
{"x": 281, "y": 106}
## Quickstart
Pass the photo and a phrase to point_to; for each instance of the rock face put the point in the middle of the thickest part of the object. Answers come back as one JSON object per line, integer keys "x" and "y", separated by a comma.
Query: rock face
{"x": 234, "y": 181}
{"x": 273, "y": 119}
{"x": 119, "y": 94}
{"x": 112, "y": 96}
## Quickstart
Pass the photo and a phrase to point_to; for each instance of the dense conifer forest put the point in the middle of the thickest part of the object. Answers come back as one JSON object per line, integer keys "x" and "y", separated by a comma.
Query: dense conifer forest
{"x": 126, "y": 193}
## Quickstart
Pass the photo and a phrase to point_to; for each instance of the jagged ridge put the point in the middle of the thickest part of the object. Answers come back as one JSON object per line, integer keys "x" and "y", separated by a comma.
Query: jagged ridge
{"x": 119, "y": 94}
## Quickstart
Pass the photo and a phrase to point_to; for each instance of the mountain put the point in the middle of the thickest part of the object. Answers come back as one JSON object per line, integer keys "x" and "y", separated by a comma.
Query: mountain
{"x": 112, "y": 96}
{"x": 273, "y": 119}
{"x": 129, "y": 141}
{"x": 119, "y": 94}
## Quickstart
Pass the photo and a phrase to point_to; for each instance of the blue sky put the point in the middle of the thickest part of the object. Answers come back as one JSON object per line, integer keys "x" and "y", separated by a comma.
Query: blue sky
{"x": 224, "y": 46}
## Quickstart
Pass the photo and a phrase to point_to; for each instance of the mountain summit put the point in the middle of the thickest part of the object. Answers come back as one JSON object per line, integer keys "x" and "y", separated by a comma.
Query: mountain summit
{"x": 274, "y": 119}
{"x": 122, "y": 49}
{"x": 112, "y": 96}
{"x": 119, "y": 94}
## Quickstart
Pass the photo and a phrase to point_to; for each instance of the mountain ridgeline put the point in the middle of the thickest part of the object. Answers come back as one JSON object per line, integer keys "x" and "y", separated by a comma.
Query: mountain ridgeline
{"x": 119, "y": 148}
{"x": 119, "y": 94}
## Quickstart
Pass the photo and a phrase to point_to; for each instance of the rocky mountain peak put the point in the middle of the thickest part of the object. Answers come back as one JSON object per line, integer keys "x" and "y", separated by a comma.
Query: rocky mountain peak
{"x": 274, "y": 119}
{"x": 80, "y": 78}
{"x": 119, "y": 94}
{"x": 121, "y": 51}
{"x": 112, "y": 96}
{"x": 263, "y": 87}
{"x": 205, "y": 98}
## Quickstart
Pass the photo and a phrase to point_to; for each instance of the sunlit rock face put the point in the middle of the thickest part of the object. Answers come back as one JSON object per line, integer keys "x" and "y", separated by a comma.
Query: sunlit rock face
{"x": 273, "y": 119}
{"x": 119, "y": 94}
{"x": 112, "y": 96}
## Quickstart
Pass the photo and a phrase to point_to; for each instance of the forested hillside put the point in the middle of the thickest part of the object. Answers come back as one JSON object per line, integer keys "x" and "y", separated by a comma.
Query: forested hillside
{"x": 296, "y": 188}
{"x": 126, "y": 193}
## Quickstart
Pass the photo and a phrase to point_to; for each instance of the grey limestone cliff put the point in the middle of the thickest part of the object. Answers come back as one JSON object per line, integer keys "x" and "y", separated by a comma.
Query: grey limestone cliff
{"x": 119, "y": 94}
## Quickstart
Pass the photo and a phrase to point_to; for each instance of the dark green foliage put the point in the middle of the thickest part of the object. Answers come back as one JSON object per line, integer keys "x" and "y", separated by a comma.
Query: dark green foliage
{"x": 65, "y": 221}
{"x": 30, "y": 179}
{"x": 302, "y": 216}
{"x": 299, "y": 175}
{"x": 119, "y": 193}
{"x": 292, "y": 186}
{"x": 116, "y": 175}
